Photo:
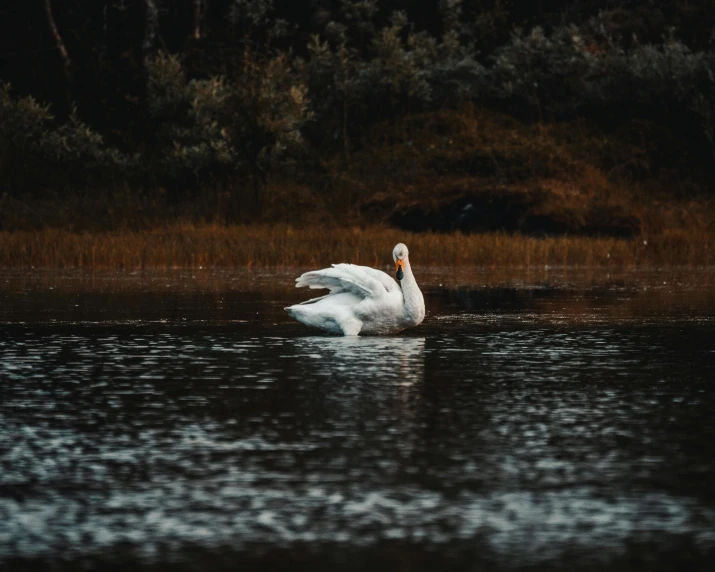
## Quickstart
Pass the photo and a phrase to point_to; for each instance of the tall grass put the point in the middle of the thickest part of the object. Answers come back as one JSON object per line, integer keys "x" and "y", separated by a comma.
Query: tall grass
{"x": 183, "y": 245}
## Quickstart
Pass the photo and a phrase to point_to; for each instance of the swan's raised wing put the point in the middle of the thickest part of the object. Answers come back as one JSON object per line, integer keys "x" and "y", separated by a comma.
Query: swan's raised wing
{"x": 386, "y": 280}
{"x": 344, "y": 278}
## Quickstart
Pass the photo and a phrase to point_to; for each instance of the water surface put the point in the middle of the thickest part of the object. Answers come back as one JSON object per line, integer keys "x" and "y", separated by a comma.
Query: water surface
{"x": 548, "y": 418}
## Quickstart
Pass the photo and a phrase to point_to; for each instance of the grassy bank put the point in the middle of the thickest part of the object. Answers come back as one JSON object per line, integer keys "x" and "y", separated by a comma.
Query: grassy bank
{"x": 570, "y": 193}
{"x": 470, "y": 169}
{"x": 184, "y": 245}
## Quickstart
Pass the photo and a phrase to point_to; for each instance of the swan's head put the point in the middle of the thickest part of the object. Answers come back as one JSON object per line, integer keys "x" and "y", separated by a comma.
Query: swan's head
{"x": 399, "y": 255}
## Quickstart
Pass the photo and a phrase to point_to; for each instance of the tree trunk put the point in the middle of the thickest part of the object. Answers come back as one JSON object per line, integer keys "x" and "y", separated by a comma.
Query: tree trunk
{"x": 197, "y": 19}
{"x": 66, "y": 62}
{"x": 151, "y": 23}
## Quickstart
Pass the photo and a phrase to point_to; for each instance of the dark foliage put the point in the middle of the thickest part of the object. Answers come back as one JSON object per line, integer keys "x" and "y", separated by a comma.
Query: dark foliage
{"x": 170, "y": 93}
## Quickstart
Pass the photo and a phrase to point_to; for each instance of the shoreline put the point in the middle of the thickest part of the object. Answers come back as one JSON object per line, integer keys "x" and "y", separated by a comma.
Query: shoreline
{"x": 284, "y": 246}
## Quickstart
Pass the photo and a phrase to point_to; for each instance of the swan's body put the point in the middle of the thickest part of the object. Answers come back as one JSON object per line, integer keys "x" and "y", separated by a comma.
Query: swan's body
{"x": 362, "y": 300}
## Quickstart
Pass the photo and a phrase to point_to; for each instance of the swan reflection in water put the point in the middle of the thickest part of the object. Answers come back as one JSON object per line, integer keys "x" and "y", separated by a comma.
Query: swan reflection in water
{"x": 399, "y": 360}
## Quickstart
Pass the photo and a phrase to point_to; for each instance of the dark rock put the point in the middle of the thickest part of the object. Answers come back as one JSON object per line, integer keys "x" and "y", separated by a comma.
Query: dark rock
{"x": 529, "y": 211}
{"x": 490, "y": 210}
{"x": 611, "y": 221}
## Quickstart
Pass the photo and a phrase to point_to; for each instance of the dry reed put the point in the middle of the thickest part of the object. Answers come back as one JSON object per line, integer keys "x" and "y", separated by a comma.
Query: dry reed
{"x": 184, "y": 245}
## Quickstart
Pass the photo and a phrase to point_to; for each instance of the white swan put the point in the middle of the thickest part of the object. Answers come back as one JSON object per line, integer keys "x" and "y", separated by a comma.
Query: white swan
{"x": 362, "y": 300}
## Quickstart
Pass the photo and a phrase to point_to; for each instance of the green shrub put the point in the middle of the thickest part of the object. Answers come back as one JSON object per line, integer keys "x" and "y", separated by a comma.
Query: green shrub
{"x": 35, "y": 145}
{"x": 249, "y": 123}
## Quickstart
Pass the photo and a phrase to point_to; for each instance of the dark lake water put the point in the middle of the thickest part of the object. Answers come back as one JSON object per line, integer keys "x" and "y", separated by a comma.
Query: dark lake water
{"x": 551, "y": 419}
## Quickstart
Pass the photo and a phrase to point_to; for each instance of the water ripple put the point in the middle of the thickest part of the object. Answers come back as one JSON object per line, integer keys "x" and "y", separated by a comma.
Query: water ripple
{"x": 530, "y": 436}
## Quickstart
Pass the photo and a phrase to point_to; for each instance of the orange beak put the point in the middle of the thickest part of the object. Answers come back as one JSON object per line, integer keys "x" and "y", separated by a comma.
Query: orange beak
{"x": 400, "y": 267}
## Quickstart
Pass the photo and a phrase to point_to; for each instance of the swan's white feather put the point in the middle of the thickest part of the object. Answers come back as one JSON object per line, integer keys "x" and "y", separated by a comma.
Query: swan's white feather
{"x": 361, "y": 299}
{"x": 386, "y": 280}
{"x": 343, "y": 277}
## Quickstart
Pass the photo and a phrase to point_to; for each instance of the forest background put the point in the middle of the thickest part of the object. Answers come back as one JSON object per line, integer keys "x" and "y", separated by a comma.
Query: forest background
{"x": 542, "y": 118}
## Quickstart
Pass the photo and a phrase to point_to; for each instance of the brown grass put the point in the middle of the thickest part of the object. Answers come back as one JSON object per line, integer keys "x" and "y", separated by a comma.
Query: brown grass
{"x": 184, "y": 245}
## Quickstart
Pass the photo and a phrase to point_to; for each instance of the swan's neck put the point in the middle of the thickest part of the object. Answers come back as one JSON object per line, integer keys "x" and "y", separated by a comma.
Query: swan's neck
{"x": 414, "y": 310}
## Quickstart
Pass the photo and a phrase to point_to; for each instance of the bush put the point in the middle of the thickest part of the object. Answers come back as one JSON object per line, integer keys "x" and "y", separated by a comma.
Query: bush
{"x": 249, "y": 124}
{"x": 574, "y": 69}
{"x": 248, "y": 115}
{"x": 35, "y": 145}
